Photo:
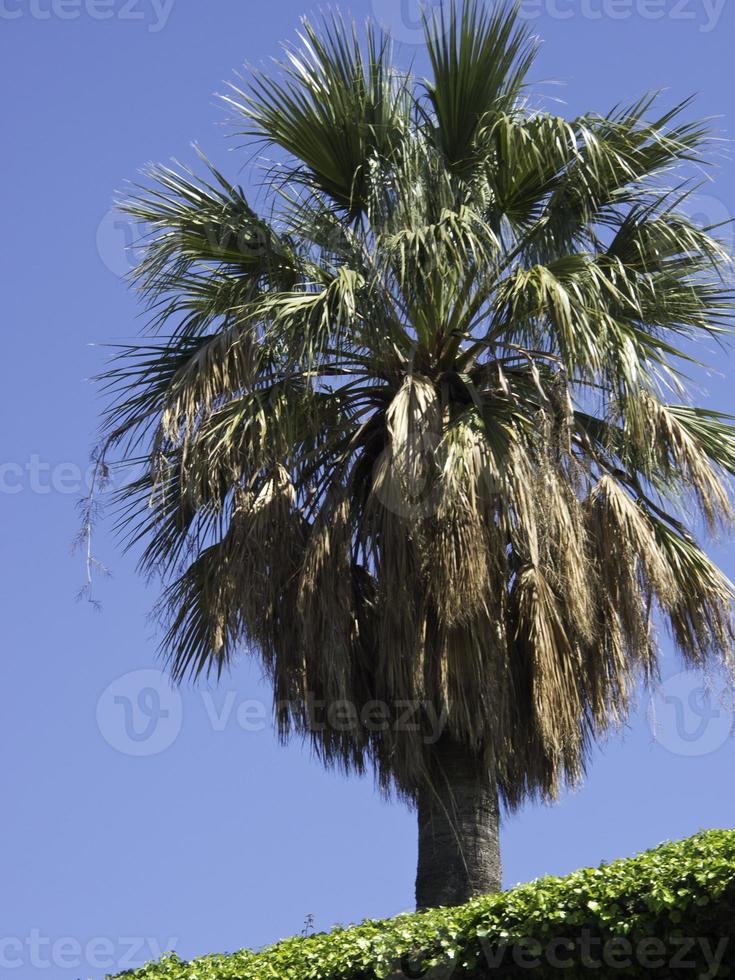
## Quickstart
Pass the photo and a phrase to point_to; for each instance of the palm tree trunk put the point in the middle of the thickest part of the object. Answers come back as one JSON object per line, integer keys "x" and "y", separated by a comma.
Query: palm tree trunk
{"x": 459, "y": 829}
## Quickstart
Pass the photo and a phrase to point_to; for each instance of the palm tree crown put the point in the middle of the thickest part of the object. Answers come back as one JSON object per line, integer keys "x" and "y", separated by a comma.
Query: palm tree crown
{"x": 420, "y": 436}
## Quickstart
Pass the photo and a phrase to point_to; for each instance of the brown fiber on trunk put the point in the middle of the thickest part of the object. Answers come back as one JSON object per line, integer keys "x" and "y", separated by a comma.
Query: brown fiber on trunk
{"x": 459, "y": 830}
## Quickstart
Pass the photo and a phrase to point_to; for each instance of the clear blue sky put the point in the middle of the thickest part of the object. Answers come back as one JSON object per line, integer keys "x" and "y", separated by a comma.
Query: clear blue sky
{"x": 224, "y": 839}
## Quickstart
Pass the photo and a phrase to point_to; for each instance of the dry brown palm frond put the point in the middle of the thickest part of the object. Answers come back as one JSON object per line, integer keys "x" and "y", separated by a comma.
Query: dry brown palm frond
{"x": 682, "y": 460}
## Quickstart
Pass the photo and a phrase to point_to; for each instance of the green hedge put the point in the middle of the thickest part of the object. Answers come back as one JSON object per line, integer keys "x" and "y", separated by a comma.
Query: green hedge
{"x": 667, "y": 913}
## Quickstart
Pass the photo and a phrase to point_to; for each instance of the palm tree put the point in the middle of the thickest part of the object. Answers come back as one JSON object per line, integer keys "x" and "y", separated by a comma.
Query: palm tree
{"x": 419, "y": 438}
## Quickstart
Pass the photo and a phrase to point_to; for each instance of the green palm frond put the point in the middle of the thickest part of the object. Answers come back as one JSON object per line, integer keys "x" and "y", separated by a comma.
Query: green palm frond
{"x": 479, "y": 65}
{"x": 337, "y": 109}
